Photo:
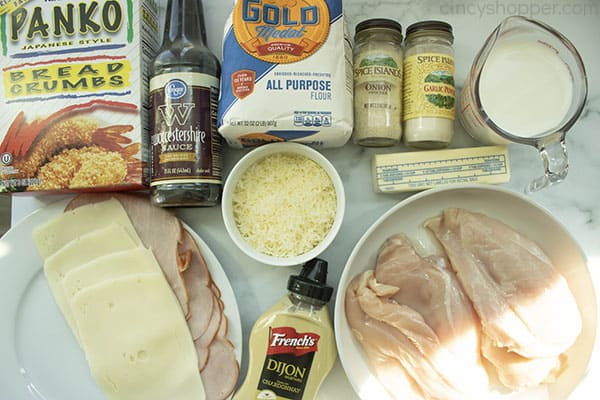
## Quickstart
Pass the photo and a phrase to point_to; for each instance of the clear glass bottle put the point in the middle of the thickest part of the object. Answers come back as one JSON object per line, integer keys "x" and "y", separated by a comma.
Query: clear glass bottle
{"x": 292, "y": 345}
{"x": 185, "y": 147}
{"x": 377, "y": 83}
{"x": 429, "y": 90}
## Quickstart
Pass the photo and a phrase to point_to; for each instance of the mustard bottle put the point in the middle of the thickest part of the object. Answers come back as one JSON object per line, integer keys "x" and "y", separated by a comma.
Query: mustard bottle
{"x": 292, "y": 346}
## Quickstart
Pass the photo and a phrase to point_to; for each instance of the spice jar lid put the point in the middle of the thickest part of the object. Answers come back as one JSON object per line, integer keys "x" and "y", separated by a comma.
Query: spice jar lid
{"x": 429, "y": 25}
{"x": 378, "y": 23}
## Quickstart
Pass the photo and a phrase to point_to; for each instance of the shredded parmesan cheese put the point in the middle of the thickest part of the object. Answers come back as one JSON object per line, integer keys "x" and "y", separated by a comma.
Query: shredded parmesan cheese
{"x": 284, "y": 205}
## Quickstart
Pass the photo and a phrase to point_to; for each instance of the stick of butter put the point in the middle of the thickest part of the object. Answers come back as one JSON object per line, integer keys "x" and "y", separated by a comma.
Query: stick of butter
{"x": 420, "y": 170}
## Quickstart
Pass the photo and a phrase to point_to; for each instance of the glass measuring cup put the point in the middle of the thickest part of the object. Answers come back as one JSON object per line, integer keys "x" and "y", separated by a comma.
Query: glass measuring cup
{"x": 549, "y": 81}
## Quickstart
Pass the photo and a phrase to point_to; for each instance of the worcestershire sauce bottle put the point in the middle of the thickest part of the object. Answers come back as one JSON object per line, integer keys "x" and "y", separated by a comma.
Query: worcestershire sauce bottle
{"x": 185, "y": 148}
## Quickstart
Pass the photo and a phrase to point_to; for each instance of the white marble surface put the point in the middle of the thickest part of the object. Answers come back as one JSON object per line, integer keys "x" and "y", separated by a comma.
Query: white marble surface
{"x": 576, "y": 202}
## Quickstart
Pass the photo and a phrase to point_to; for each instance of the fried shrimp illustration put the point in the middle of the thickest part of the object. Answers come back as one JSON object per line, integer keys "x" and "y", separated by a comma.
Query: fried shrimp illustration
{"x": 70, "y": 149}
{"x": 81, "y": 168}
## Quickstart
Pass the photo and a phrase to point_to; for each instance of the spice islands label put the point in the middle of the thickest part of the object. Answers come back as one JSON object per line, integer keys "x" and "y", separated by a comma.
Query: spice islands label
{"x": 380, "y": 76}
{"x": 429, "y": 86}
{"x": 281, "y": 31}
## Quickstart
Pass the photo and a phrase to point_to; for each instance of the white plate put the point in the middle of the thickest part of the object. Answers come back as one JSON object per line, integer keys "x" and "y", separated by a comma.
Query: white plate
{"x": 39, "y": 356}
{"x": 513, "y": 209}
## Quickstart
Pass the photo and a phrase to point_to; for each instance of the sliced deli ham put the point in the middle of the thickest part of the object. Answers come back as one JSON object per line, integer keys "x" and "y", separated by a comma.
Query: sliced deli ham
{"x": 222, "y": 370}
{"x": 202, "y": 352}
{"x": 224, "y": 326}
{"x": 190, "y": 253}
{"x": 217, "y": 363}
{"x": 198, "y": 283}
{"x": 203, "y": 308}
{"x": 213, "y": 326}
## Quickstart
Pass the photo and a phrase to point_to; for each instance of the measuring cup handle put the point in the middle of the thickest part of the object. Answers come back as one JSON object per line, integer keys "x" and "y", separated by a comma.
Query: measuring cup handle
{"x": 556, "y": 165}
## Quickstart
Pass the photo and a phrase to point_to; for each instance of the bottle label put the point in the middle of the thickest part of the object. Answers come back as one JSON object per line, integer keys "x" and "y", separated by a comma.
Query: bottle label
{"x": 378, "y": 94}
{"x": 429, "y": 86}
{"x": 287, "y": 365}
{"x": 281, "y": 31}
{"x": 185, "y": 145}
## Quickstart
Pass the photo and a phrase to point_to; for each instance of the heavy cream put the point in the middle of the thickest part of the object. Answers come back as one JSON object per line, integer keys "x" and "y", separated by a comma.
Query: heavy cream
{"x": 526, "y": 88}
{"x": 527, "y": 85}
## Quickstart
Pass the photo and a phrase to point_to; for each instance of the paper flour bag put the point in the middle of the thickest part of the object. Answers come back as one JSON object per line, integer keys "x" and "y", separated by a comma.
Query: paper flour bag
{"x": 287, "y": 74}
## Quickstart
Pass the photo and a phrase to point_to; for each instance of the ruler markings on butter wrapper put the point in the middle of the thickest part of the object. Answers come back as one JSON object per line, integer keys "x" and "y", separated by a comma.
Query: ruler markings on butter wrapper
{"x": 399, "y": 172}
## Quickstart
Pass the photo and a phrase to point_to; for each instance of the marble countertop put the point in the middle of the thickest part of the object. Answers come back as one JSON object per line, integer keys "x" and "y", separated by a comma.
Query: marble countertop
{"x": 575, "y": 203}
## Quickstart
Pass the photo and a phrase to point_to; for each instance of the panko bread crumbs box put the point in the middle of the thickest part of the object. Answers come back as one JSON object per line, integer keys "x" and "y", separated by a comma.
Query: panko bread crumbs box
{"x": 73, "y": 99}
{"x": 287, "y": 74}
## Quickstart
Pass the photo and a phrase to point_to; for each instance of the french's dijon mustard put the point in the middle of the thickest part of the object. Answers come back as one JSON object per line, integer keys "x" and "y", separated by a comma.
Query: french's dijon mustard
{"x": 292, "y": 347}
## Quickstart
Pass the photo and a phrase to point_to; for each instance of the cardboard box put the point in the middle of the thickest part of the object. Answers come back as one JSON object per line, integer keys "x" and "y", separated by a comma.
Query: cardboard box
{"x": 74, "y": 96}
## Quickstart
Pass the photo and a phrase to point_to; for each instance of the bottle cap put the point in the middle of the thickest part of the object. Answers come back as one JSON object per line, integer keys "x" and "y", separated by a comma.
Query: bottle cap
{"x": 430, "y": 25}
{"x": 378, "y": 23}
{"x": 312, "y": 281}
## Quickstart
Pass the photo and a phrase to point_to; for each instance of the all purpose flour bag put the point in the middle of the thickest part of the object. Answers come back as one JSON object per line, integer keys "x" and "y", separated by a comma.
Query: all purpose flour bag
{"x": 287, "y": 74}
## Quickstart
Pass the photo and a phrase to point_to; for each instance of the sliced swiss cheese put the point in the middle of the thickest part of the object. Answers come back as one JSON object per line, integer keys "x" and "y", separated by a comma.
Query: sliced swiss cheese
{"x": 80, "y": 251}
{"x": 138, "y": 260}
{"x": 59, "y": 231}
{"x": 136, "y": 340}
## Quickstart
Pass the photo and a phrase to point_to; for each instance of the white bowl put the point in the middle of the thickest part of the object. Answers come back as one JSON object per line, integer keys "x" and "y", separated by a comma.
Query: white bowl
{"x": 256, "y": 155}
{"x": 512, "y": 208}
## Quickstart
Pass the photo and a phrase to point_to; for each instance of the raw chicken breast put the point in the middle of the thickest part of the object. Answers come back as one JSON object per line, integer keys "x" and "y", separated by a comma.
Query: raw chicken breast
{"x": 428, "y": 286}
{"x": 390, "y": 352}
{"x": 524, "y": 303}
{"x": 517, "y": 372}
{"x": 417, "y": 323}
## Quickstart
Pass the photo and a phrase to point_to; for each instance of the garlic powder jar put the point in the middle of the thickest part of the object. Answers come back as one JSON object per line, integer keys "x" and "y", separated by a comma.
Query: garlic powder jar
{"x": 429, "y": 91}
{"x": 377, "y": 83}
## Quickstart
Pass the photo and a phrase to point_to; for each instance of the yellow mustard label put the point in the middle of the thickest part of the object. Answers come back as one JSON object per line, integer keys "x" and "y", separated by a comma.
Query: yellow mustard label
{"x": 8, "y": 6}
{"x": 281, "y": 31}
{"x": 429, "y": 86}
{"x": 66, "y": 76}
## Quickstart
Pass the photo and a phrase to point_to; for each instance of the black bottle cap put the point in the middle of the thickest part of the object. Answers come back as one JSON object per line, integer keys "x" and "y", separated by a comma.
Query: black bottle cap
{"x": 312, "y": 281}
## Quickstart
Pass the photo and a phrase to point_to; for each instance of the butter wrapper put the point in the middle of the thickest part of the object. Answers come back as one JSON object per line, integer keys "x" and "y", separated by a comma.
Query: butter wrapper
{"x": 420, "y": 170}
